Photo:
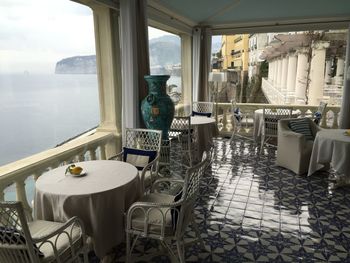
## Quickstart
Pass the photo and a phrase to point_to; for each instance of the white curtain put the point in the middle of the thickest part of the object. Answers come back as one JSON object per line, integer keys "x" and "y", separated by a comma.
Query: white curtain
{"x": 196, "y": 47}
{"x": 201, "y": 63}
{"x": 135, "y": 59}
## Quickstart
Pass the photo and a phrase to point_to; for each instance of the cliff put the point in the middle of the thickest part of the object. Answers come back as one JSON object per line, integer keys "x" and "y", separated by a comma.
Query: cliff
{"x": 77, "y": 65}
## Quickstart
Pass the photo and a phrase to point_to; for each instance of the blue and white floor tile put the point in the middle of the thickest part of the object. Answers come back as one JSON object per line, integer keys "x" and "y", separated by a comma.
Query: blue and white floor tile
{"x": 251, "y": 210}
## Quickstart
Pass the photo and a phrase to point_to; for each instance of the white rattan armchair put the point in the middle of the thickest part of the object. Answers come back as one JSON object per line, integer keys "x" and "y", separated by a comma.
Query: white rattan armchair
{"x": 144, "y": 140}
{"x": 294, "y": 150}
{"x": 39, "y": 241}
{"x": 239, "y": 120}
{"x": 164, "y": 217}
{"x": 202, "y": 108}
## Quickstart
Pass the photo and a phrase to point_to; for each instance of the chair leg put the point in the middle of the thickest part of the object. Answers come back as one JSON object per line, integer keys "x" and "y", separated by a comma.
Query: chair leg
{"x": 180, "y": 251}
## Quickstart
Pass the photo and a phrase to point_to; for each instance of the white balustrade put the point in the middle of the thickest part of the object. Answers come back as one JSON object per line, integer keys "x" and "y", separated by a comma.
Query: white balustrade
{"x": 329, "y": 119}
{"x": 18, "y": 172}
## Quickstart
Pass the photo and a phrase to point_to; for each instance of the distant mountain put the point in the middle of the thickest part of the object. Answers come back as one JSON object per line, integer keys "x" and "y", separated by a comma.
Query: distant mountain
{"x": 77, "y": 65}
{"x": 165, "y": 52}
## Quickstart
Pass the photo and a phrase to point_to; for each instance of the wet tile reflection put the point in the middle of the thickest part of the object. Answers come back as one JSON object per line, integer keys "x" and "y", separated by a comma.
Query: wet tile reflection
{"x": 252, "y": 210}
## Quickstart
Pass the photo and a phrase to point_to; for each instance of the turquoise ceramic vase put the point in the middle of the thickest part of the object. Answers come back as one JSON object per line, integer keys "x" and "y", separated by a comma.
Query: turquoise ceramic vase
{"x": 157, "y": 108}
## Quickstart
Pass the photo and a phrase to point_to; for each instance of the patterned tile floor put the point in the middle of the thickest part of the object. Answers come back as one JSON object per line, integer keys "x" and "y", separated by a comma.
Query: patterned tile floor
{"x": 251, "y": 210}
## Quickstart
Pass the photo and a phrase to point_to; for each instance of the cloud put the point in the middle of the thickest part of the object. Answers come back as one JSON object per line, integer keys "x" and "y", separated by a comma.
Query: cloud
{"x": 45, "y": 30}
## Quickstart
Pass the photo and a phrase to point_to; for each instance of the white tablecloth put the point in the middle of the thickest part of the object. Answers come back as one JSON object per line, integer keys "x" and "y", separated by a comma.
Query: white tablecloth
{"x": 259, "y": 121}
{"x": 206, "y": 129}
{"x": 331, "y": 146}
{"x": 99, "y": 199}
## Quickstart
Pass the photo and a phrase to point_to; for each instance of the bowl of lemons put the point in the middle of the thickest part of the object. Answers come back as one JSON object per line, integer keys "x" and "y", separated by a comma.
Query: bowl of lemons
{"x": 75, "y": 170}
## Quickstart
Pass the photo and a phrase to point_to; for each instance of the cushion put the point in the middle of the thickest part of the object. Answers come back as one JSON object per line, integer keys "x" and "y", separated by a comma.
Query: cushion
{"x": 175, "y": 211}
{"x": 12, "y": 236}
{"x": 206, "y": 114}
{"x": 40, "y": 228}
{"x": 317, "y": 116}
{"x": 155, "y": 222}
{"x": 237, "y": 113}
{"x": 301, "y": 126}
{"x": 137, "y": 157}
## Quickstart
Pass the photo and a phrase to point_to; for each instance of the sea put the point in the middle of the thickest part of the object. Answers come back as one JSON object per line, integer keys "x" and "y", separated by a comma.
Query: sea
{"x": 37, "y": 112}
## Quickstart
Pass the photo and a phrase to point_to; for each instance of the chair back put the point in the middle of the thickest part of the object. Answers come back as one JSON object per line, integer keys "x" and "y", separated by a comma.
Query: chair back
{"x": 203, "y": 107}
{"x": 143, "y": 139}
{"x": 16, "y": 243}
{"x": 181, "y": 130}
{"x": 189, "y": 194}
{"x": 271, "y": 117}
{"x": 322, "y": 107}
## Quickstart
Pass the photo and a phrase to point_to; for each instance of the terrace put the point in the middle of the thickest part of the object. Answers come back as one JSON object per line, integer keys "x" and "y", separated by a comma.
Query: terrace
{"x": 250, "y": 209}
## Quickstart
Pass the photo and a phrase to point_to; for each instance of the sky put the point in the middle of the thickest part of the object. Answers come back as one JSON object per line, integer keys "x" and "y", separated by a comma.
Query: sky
{"x": 35, "y": 34}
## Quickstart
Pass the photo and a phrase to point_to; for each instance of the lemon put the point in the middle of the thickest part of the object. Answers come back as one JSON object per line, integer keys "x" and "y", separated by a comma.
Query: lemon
{"x": 75, "y": 170}
{"x": 72, "y": 169}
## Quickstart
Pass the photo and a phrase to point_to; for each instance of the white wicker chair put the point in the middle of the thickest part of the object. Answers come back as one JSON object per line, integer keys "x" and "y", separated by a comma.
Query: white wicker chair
{"x": 165, "y": 218}
{"x": 199, "y": 107}
{"x": 270, "y": 126}
{"x": 39, "y": 241}
{"x": 180, "y": 130}
{"x": 239, "y": 120}
{"x": 145, "y": 140}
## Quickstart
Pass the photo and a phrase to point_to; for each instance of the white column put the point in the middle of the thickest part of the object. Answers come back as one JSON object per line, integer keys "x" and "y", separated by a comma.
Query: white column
{"x": 279, "y": 73}
{"x": 345, "y": 106}
{"x": 270, "y": 71}
{"x": 291, "y": 76}
{"x": 327, "y": 74}
{"x": 284, "y": 74}
{"x": 109, "y": 74}
{"x": 301, "y": 78}
{"x": 317, "y": 72}
{"x": 275, "y": 73}
{"x": 340, "y": 72}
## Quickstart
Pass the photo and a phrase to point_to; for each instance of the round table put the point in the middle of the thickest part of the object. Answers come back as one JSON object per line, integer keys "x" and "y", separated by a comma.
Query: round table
{"x": 99, "y": 199}
{"x": 331, "y": 146}
{"x": 205, "y": 129}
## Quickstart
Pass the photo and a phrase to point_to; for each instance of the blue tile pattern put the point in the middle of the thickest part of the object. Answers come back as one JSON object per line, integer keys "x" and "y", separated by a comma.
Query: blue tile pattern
{"x": 251, "y": 210}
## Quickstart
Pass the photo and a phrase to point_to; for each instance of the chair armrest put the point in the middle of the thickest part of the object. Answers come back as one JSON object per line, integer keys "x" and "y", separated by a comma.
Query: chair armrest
{"x": 167, "y": 185}
{"x": 153, "y": 168}
{"x": 117, "y": 157}
{"x": 288, "y": 134}
{"x": 73, "y": 222}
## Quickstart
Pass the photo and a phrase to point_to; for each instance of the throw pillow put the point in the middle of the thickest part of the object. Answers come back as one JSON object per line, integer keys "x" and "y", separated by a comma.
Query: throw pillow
{"x": 176, "y": 211}
{"x": 302, "y": 126}
{"x": 206, "y": 114}
{"x": 137, "y": 157}
{"x": 12, "y": 236}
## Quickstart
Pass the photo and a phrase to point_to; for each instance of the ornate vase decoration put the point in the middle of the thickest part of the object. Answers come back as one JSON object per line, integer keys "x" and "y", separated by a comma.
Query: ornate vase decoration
{"x": 157, "y": 108}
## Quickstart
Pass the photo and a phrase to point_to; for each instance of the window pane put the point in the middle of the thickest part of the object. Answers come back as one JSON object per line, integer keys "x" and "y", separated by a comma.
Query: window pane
{"x": 48, "y": 82}
{"x": 165, "y": 59}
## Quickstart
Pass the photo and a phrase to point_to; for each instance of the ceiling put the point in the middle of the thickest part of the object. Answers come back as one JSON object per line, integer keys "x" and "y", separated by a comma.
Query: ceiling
{"x": 224, "y": 15}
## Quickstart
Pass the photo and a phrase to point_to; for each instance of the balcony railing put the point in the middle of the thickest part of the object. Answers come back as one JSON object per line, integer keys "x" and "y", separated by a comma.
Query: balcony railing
{"x": 93, "y": 147}
{"x": 90, "y": 147}
{"x": 329, "y": 119}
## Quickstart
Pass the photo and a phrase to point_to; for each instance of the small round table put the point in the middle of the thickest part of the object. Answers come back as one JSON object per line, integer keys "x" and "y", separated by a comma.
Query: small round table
{"x": 206, "y": 129}
{"x": 99, "y": 198}
{"x": 331, "y": 146}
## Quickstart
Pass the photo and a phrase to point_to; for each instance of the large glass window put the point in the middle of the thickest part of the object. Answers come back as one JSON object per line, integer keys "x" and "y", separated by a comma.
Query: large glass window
{"x": 165, "y": 59}
{"x": 304, "y": 67}
{"x": 48, "y": 81}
